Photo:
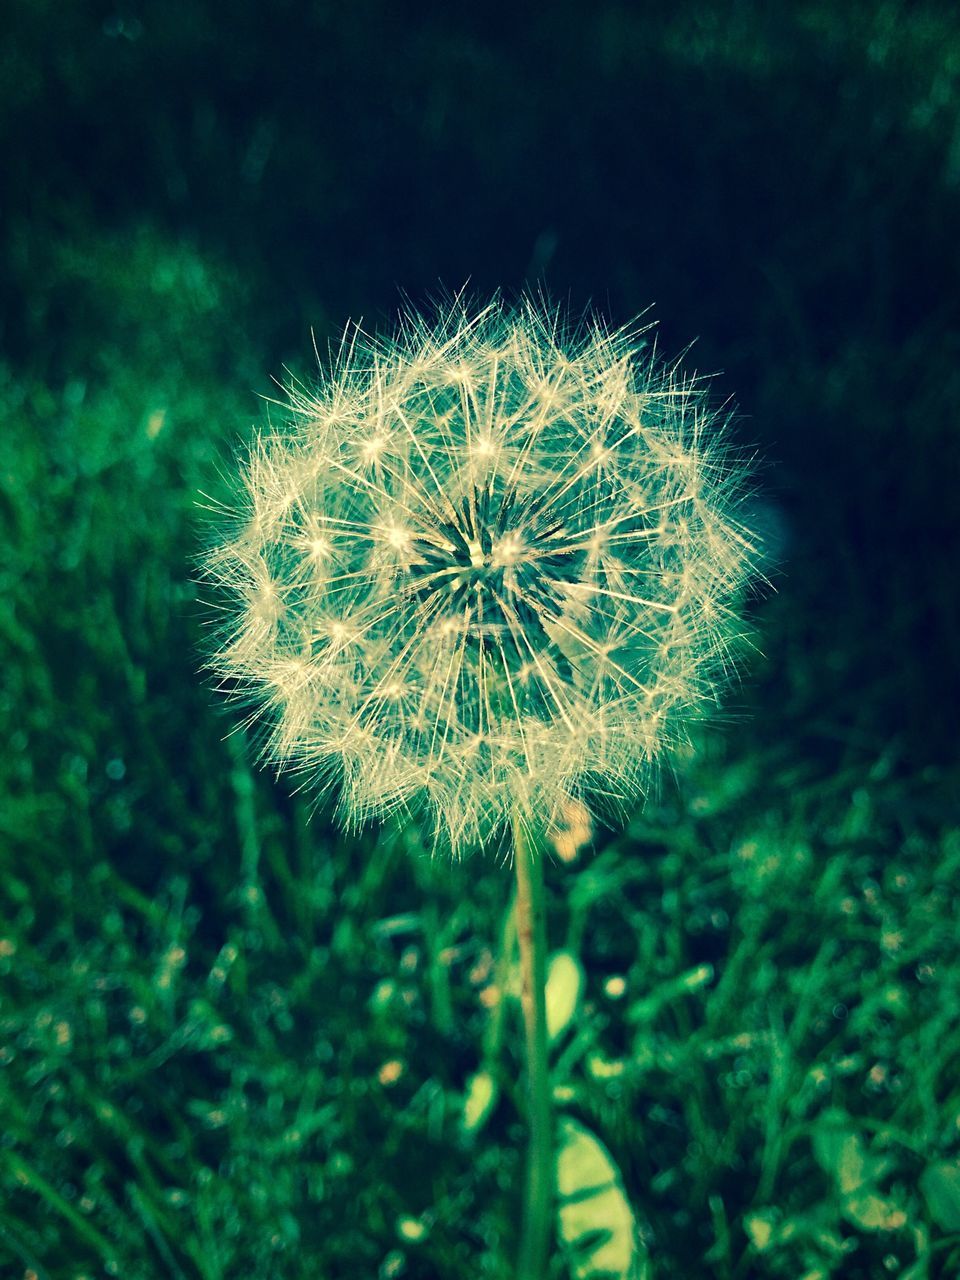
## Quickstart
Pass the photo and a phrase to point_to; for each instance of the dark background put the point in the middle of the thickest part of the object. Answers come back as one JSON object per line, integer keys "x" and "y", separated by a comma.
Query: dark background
{"x": 189, "y": 190}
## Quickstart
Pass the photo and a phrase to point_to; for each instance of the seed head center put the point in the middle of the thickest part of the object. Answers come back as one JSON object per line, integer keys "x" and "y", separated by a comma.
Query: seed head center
{"x": 494, "y": 563}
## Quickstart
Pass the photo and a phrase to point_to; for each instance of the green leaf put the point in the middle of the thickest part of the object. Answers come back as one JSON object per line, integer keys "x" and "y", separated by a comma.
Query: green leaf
{"x": 760, "y": 1228}
{"x": 564, "y": 985}
{"x": 482, "y": 1093}
{"x": 851, "y": 1168}
{"x": 940, "y": 1184}
{"x": 875, "y": 1213}
{"x": 840, "y": 1151}
{"x": 596, "y": 1223}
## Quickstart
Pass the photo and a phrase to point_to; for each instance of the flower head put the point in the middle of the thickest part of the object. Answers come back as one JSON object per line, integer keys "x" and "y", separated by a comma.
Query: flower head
{"x": 486, "y": 567}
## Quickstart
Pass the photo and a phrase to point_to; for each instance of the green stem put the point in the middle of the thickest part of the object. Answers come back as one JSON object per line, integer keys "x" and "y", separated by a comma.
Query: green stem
{"x": 531, "y": 934}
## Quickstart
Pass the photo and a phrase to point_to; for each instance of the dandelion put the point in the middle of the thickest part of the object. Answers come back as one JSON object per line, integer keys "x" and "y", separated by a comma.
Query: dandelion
{"x": 486, "y": 573}
{"x": 486, "y": 569}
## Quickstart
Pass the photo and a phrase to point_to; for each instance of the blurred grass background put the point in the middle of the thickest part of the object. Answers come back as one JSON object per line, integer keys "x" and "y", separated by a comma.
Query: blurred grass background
{"x": 235, "y": 1043}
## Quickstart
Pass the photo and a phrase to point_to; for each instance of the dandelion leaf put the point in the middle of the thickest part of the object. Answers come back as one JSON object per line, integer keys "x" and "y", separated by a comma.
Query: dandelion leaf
{"x": 564, "y": 985}
{"x": 840, "y": 1151}
{"x": 873, "y": 1212}
{"x": 596, "y": 1224}
{"x": 481, "y": 1097}
{"x": 760, "y": 1227}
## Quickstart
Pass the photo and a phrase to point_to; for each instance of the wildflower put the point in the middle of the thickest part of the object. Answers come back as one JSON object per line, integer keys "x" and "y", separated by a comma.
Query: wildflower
{"x": 487, "y": 568}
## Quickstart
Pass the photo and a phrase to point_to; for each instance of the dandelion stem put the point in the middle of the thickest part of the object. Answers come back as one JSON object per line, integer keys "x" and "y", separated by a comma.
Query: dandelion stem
{"x": 531, "y": 932}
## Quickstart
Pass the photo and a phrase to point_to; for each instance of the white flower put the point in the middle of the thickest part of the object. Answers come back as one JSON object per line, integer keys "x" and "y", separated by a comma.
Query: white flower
{"x": 485, "y": 568}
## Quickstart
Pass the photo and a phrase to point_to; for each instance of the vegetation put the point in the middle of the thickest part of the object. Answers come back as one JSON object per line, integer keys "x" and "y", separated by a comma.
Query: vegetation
{"x": 235, "y": 1042}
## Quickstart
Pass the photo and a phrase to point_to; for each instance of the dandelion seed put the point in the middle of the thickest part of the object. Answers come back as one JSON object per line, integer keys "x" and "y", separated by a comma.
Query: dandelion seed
{"x": 486, "y": 569}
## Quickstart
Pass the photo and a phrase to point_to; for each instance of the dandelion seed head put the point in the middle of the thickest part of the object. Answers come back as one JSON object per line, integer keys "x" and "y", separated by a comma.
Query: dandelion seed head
{"x": 488, "y": 566}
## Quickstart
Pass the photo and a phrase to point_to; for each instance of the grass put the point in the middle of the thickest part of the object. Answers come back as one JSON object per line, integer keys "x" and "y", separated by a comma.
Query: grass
{"x": 237, "y": 1043}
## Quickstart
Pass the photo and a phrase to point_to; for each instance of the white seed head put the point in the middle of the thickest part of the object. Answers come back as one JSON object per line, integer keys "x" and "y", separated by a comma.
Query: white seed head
{"x": 486, "y": 568}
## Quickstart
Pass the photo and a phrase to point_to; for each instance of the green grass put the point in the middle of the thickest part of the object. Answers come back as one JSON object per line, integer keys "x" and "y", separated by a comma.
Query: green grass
{"x": 236, "y": 1043}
